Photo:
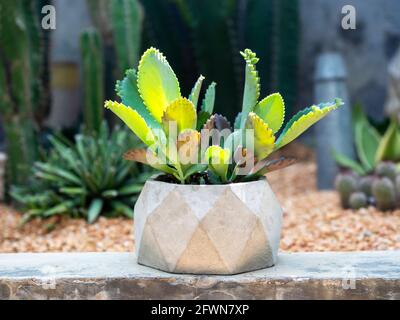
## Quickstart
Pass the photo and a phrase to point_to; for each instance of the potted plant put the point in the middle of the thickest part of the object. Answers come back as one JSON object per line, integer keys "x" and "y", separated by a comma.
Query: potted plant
{"x": 211, "y": 211}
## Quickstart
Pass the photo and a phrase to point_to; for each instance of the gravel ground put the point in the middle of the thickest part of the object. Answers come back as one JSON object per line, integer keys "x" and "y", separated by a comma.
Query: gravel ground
{"x": 313, "y": 221}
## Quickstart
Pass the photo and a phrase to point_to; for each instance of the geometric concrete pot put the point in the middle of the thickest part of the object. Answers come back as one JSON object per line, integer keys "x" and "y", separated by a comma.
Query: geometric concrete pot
{"x": 207, "y": 229}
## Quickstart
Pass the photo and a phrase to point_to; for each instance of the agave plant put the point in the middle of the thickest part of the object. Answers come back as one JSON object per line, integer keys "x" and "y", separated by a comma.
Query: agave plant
{"x": 87, "y": 178}
{"x": 372, "y": 147}
{"x": 153, "y": 108}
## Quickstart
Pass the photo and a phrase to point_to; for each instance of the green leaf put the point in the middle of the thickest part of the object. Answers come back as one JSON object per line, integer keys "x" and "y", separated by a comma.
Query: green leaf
{"x": 109, "y": 194}
{"x": 264, "y": 138}
{"x": 202, "y": 119}
{"x": 94, "y": 210}
{"x": 130, "y": 189}
{"x": 157, "y": 82}
{"x": 272, "y": 111}
{"x": 194, "y": 95}
{"x": 127, "y": 90}
{"x": 133, "y": 120}
{"x": 238, "y": 120}
{"x": 389, "y": 147}
{"x": 251, "y": 86}
{"x": 181, "y": 111}
{"x": 218, "y": 160}
{"x": 209, "y": 99}
{"x": 349, "y": 163}
{"x": 304, "y": 120}
{"x": 121, "y": 207}
{"x": 367, "y": 141}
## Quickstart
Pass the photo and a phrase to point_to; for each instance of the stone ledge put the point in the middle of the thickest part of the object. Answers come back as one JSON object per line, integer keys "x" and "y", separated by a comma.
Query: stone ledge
{"x": 366, "y": 275}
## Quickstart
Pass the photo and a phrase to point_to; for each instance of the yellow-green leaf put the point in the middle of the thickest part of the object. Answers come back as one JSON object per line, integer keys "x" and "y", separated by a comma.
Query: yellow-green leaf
{"x": 251, "y": 86}
{"x": 194, "y": 95}
{"x": 272, "y": 111}
{"x": 389, "y": 147}
{"x": 182, "y": 112}
{"x": 303, "y": 120}
{"x": 133, "y": 120}
{"x": 264, "y": 138}
{"x": 218, "y": 161}
{"x": 157, "y": 82}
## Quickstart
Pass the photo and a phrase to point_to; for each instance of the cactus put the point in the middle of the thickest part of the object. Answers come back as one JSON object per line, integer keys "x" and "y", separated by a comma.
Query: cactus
{"x": 365, "y": 185}
{"x": 384, "y": 193}
{"x": 387, "y": 169}
{"x": 346, "y": 184}
{"x": 93, "y": 79}
{"x": 127, "y": 20}
{"x": 358, "y": 200}
{"x": 19, "y": 91}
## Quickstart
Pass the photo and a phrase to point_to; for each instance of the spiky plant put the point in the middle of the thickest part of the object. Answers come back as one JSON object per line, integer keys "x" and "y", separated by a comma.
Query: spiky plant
{"x": 152, "y": 104}
{"x": 87, "y": 178}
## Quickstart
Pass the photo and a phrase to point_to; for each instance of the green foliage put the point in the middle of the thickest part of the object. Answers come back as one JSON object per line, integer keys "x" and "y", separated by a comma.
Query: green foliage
{"x": 155, "y": 103}
{"x": 93, "y": 79}
{"x": 346, "y": 185}
{"x": 86, "y": 178}
{"x": 21, "y": 87}
{"x": 384, "y": 193}
{"x": 380, "y": 188}
{"x": 358, "y": 200}
{"x": 371, "y": 147}
{"x": 127, "y": 21}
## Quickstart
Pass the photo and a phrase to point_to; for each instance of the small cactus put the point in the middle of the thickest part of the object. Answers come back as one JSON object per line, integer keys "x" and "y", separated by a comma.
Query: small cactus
{"x": 365, "y": 185}
{"x": 358, "y": 200}
{"x": 384, "y": 193}
{"x": 346, "y": 184}
{"x": 387, "y": 169}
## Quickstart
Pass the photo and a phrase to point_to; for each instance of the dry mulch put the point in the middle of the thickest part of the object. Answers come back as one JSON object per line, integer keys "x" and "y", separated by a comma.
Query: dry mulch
{"x": 313, "y": 221}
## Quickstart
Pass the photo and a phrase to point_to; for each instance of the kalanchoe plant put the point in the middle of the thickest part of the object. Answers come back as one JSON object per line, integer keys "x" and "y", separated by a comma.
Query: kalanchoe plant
{"x": 191, "y": 147}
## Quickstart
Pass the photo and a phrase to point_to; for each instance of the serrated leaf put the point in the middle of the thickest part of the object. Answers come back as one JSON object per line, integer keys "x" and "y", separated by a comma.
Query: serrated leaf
{"x": 182, "y": 112}
{"x": 304, "y": 120}
{"x": 269, "y": 165}
{"x": 272, "y": 111}
{"x": 209, "y": 99}
{"x": 264, "y": 138}
{"x": 128, "y": 92}
{"x": 194, "y": 95}
{"x": 251, "y": 86}
{"x": 218, "y": 160}
{"x": 238, "y": 119}
{"x": 157, "y": 83}
{"x": 202, "y": 119}
{"x": 149, "y": 158}
{"x": 217, "y": 122}
{"x": 133, "y": 120}
{"x": 94, "y": 210}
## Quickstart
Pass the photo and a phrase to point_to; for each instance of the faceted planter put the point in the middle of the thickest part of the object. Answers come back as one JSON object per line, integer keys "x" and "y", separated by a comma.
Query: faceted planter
{"x": 207, "y": 229}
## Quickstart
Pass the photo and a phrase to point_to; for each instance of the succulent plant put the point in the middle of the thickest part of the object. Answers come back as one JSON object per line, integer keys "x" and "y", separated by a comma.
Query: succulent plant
{"x": 384, "y": 192}
{"x": 358, "y": 200}
{"x": 346, "y": 185}
{"x": 365, "y": 185}
{"x": 387, "y": 169}
{"x": 372, "y": 148}
{"x": 87, "y": 178}
{"x": 154, "y": 109}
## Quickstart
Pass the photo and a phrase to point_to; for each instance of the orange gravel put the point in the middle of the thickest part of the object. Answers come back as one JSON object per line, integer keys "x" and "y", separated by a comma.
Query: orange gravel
{"x": 313, "y": 221}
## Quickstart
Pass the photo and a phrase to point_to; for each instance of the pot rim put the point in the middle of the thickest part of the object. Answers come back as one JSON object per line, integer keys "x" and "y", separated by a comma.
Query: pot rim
{"x": 152, "y": 179}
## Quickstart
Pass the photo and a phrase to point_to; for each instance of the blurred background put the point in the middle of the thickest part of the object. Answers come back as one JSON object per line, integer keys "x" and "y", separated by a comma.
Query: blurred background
{"x": 60, "y": 59}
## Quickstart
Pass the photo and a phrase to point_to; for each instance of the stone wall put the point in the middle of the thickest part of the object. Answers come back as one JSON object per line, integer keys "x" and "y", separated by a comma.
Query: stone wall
{"x": 366, "y": 50}
{"x": 330, "y": 275}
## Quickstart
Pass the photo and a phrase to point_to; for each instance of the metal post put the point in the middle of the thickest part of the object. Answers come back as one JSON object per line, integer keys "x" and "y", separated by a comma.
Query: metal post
{"x": 334, "y": 132}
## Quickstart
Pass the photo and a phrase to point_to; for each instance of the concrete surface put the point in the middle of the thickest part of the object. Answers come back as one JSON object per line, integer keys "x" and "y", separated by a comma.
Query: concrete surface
{"x": 354, "y": 275}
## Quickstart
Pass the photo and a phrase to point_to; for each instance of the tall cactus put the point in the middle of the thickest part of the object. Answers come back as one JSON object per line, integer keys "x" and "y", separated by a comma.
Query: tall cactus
{"x": 18, "y": 64}
{"x": 126, "y": 21}
{"x": 93, "y": 79}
